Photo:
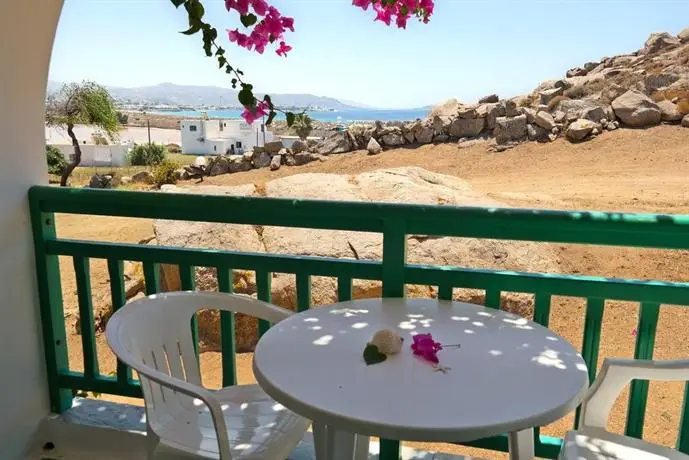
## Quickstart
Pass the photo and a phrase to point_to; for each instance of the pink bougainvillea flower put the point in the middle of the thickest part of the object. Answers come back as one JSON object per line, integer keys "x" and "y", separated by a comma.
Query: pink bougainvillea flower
{"x": 634, "y": 332}
{"x": 283, "y": 49}
{"x": 424, "y": 346}
{"x": 252, "y": 114}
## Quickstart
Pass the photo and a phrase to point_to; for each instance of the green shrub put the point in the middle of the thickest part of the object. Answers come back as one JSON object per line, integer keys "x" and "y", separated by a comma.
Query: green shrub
{"x": 165, "y": 173}
{"x": 122, "y": 118}
{"x": 56, "y": 160}
{"x": 147, "y": 155}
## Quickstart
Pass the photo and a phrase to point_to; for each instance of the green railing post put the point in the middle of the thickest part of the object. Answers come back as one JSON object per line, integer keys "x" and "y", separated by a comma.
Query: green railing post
{"x": 119, "y": 298}
{"x": 51, "y": 308}
{"x": 394, "y": 262}
{"x": 227, "y": 330}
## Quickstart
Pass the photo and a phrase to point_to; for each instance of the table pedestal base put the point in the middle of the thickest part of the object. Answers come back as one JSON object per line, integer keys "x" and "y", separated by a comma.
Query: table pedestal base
{"x": 334, "y": 444}
{"x": 522, "y": 445}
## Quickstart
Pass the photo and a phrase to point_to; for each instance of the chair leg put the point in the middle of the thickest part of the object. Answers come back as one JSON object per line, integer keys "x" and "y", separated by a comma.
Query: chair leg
{"x": 521, "y": 445}
{"x": 152, "y": 441}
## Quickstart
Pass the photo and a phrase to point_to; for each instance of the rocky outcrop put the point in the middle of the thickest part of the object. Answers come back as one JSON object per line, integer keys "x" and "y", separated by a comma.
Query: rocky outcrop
{"x": 488, "y": 99}
{"x": 580, "y": 129}
{"x": 408, "y": 185}
{"x": 373, "y": 147}
{"x": 636, "y": 110}
{"x": 669, "y": 111}
{"x": 684, "y": 36}
{"x": 660, "y": 41}
{"x": 508, "y": 129}
{"x": 467, "y": 127}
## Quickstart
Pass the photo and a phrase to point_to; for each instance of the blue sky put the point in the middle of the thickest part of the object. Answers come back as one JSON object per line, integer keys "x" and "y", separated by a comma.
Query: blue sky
{"x": 469, "y": 49}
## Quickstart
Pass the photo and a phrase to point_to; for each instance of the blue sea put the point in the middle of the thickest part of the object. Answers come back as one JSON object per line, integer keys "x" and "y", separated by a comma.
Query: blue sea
{"x": 342, "y": 116}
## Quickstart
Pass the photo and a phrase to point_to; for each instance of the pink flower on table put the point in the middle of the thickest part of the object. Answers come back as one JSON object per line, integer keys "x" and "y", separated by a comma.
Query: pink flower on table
{"x": 424, "y": 346}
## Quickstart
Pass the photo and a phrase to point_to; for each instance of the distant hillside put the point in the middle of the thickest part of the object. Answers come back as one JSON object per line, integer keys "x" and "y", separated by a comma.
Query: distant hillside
{"x": 187, "y": 95}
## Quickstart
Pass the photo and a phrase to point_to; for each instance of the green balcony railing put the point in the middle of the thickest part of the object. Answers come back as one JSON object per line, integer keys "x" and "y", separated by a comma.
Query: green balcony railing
{"x": 394, "y": 222}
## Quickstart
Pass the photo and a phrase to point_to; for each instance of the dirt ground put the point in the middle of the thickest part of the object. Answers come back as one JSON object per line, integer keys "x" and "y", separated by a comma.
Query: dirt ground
{"x": 626, "y": 170}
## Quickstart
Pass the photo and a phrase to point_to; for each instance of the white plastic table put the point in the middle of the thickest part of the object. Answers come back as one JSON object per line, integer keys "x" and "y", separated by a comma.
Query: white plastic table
{"x": 509, "y": 375}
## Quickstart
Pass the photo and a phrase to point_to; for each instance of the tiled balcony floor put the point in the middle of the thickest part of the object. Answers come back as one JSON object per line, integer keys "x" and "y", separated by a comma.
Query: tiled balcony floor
{"x": 109, "y": 431}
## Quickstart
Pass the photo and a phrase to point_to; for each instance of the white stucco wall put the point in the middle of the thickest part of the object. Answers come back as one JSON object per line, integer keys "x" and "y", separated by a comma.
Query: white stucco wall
{"x": 27, "y": 29}
{"x": 208, "y": 130}
{"x": 97, "y": 155}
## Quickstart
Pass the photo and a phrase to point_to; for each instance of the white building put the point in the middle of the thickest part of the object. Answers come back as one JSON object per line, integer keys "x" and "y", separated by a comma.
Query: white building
{"x": 97, "y": 155}
{"x": 217, "y": 137}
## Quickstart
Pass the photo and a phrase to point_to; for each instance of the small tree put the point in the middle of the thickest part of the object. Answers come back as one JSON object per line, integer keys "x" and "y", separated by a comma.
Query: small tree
{"x": 56, "y": 160}
{"x": 303, "y": 125}
{"x": 147, "y": 154}
{"x": 84, "y": 103}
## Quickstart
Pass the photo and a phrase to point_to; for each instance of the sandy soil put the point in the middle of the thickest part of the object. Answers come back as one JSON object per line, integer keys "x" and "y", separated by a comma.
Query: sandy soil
{"x": 640, "y": 171}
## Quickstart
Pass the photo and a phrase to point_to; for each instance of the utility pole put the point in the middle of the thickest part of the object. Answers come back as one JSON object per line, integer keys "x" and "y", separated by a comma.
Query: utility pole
{"x": 148, "y": 125}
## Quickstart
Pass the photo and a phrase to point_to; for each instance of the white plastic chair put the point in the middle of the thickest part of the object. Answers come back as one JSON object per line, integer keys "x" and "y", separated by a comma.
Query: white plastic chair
{"x": 591, "y": 441}
{"x": 153, "y": 336}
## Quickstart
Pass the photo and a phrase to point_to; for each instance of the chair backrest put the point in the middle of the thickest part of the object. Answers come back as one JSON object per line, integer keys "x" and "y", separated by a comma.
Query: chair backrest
{"x": 155, "y": 332}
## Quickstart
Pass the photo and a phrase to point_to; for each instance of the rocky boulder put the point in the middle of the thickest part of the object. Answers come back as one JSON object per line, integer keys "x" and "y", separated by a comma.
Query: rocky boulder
{"x": 100, "y": 181}
{"x": 238, "y": 164}
{"x": 576, "y": 72}
{"x": 272, "y": 147}
{"x": 276, "y": 162}
{"x": 143, "y": 177}
{"x": 467, "y": 127}
{"x": 660, "y": 41}
{"x": 307, "y": 157}
{"x": 373, "y": 147}
{"x": 489, "y": 99}
{"x": 636, "y": 110}
{"x": 335, "y": 143}
{"x": 218, "y": 166}
{"x": 544, "y": 120}
{"x": 669, "y": 111}
{"x": 394, "y": 138}
{"x": 550, "y": 94}
{"x": 580, "y": 129}
{"x": 261, "y": 160}
{"x": 510, "y": 129}
{"x": 423, "y": 133}
{"x": 402, "y": 185}
{"x": 299, "y": 146}
{"x": 685, "y": 121}
{"x": 490, "y": 112}
{"x": 684, "y": 35}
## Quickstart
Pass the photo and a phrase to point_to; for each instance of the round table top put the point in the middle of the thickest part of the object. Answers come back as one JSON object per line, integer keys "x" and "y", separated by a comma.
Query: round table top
{"x": 509, "y": 373}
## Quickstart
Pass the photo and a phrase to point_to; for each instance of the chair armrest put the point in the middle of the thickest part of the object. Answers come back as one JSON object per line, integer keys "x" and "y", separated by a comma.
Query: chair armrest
{"x": 614, "y": 375}
{"x": 188, "y": 389}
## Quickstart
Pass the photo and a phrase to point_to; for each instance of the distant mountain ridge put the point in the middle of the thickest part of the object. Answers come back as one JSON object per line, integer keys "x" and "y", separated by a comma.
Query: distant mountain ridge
{"x": 190, "y": 95}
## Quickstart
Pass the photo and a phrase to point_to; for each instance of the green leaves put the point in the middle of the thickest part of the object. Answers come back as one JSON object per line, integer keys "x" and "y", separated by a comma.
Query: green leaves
{"x": 248, "y": 19}
{"x": 246, "y": 95}
{"x": 192, "y": 29}
{"x": 290, "y": 121}
{"x": 372, "y": 355}
{"x": 177, "y": 3}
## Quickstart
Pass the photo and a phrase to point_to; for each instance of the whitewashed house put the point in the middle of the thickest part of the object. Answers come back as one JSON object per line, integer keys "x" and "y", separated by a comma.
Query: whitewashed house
{"x": 217, "y": 137}
{"x": 97, "y": 155}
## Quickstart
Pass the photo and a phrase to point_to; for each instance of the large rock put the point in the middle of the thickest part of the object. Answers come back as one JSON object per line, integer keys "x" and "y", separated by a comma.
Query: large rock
{"x": 595, "y": 114}
{"x": 580, "y": 129}
{"x": 636, "y": 110}
{"x": 261, "y": 160}
{"x": 467, "y": 127}
{"x": 219, "y": 165}
{"x": 536, "y": 133}
{"x": 402, "y": 185}
{"x": 423, "y": 134}
{"x": 299, "y": 146}
{"x": 393, "y": 138}
{"x": 373, "y": 147}
{"x": 660, "y": 41}
{"x": 307, "y": 157}
{"x": 336, "y": 143}
{"x": 511, "y": 109}
{"x": 491, "y": 112}
{"x": 272, "y": 147}
{"x": 684, "y": 35}
{"x": 467, "y": 111}
{"x": 488, "y": 99}
{"x": 276, "y": 162}
{"x": 550, "y": 94}
{"x": 100, "y": 181}
{"x": 577, "y": 108}
{"x": 143, "y": 177}
{"x": 685, "y": 121}
{"x": 576, "y": 72}
{"x": 669, "y": 111}
{"x": 510, "y": 129}
{"x": 530, "y": 114}
{"x": 239, "y": 164}
{"x": 544, "y": 120}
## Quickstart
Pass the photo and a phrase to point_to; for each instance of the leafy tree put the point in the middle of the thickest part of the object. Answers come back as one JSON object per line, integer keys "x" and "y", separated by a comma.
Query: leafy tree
{"x": 147, "y": 155}
{"x": 85, "y": 103}
{"x": 56, "y": 160}
{"x": 122, "y": 118}
{"x": 302, "y": 125}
